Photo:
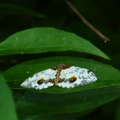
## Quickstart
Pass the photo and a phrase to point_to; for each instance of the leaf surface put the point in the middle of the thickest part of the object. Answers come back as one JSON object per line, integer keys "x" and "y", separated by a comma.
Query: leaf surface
{"x": 34, "y": 103}
{"x": 7, "y": 106}
{"x": 41, "y": 40}
{"x": 107, "y": 75}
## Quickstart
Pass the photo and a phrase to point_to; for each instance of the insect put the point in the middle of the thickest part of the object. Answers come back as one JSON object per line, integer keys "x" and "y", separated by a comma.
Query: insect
{"x": 62, "y": 75}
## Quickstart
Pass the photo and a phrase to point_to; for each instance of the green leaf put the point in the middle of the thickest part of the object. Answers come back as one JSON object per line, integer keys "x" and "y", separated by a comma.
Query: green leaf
{"x": 107, "y": 75}
{"x": 41, "y": 40}
{"x": 7, "y": 107}
{"x": 6, "y": 9}
{"x": 47, "y": 116}
{"x": 33, "y": 103}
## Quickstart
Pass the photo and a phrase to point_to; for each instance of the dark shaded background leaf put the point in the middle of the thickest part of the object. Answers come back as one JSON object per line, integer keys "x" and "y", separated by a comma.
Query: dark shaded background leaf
{"x": 33, "y": 103}
{"x": 12, "y": 9}
{"x": 117, "y": 106}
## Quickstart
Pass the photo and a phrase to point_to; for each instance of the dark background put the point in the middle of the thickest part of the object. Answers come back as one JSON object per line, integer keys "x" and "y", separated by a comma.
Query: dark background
{"x": 102, "y": 14}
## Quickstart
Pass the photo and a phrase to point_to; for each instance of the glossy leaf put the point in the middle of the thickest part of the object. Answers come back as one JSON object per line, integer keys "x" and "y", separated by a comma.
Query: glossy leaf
{"x": 107, "y": 75}
{"x": 7, "y": 107}
{"x": 41, "y": 40}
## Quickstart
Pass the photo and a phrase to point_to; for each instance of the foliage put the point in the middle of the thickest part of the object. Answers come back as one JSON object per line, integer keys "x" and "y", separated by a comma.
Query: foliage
{"x": 6, "y": 102}
{"x": 41, "y": 43}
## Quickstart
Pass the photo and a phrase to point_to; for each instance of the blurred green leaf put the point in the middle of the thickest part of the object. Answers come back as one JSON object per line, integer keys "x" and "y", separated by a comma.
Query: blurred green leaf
{"x": 107, "y": 75}
{"x": 7, "y": 107}
{"x": 6, "y": 9}
{"x": 40, "y": 40}
{"x": 117, "y": 113}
